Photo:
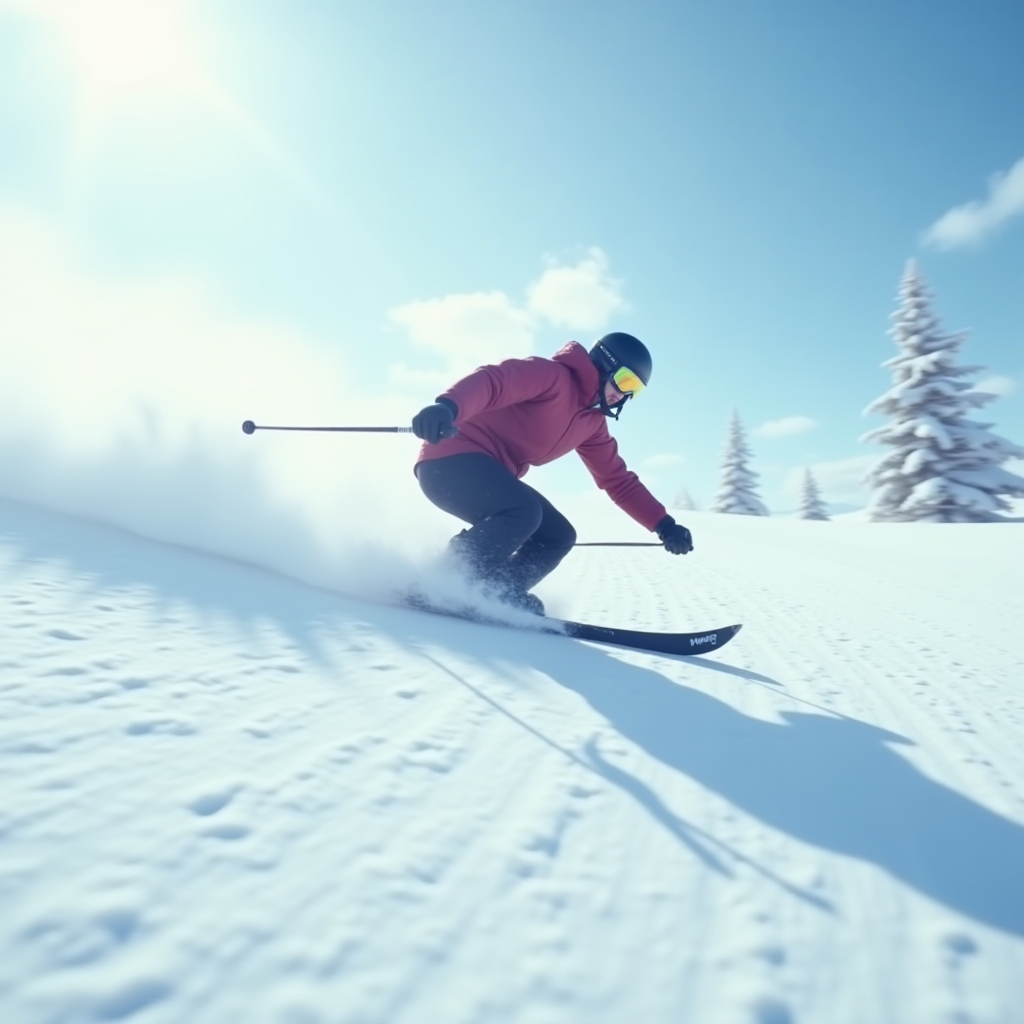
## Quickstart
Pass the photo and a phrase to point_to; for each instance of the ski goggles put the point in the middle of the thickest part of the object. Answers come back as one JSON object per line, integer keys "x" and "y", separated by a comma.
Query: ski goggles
{"x": 627, "y": 381}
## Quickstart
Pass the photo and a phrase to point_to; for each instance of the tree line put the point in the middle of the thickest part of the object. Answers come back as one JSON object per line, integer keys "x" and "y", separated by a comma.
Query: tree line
{"x": 941, "y": 466}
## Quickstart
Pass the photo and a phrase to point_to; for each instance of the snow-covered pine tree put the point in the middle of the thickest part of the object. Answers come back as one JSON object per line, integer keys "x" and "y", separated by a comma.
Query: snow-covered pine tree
{"x": 684, "y": 501}
{"x": 943, "y": 467}
{"x": 737, "y": 491}
{"x": 811, "y": 505}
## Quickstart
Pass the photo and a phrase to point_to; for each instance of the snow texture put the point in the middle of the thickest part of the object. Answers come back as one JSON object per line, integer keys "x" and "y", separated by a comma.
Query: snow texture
{"x": 737, "y": 491}
{"x": 943, "y": 467}
{"x": 811, "y": 505}
{"x": 232, "y": 796}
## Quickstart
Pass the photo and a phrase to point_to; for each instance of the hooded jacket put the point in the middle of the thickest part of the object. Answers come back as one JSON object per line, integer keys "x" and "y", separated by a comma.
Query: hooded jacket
{"x": 528, "y": 412}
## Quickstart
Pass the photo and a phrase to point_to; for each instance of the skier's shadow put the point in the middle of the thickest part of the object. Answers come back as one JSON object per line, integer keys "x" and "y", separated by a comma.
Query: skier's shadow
{"x": 825, "y": 779}
{"x": 831, "y": 781}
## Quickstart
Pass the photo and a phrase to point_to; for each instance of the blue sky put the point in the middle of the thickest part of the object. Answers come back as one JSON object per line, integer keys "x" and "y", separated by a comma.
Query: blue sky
{"x": 239, "y": 208}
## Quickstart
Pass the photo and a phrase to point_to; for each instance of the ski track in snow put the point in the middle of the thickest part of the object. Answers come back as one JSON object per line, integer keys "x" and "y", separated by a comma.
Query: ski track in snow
{"x": 231, "y": 797}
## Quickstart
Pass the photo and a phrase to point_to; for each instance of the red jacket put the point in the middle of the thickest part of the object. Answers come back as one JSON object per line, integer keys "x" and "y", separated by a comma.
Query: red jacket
{"x": 528, "y": 412}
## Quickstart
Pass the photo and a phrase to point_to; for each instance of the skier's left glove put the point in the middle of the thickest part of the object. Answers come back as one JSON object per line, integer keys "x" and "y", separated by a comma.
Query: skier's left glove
{"x": 436, "y": 422}
{"x": 677, "y": 539}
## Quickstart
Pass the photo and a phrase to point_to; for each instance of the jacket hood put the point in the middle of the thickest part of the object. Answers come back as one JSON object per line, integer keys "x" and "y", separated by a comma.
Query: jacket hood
{"x": 576, "y": 359}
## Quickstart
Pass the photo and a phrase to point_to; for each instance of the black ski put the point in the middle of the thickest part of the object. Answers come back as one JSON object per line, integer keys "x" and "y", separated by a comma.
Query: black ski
{"x": 636, "y": 639}
{"x": 644, "y": 640}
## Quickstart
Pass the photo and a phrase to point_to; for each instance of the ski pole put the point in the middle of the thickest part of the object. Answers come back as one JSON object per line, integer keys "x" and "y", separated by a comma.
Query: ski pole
{"x": 248, "y": 427}
{"x": 618, "y": 544}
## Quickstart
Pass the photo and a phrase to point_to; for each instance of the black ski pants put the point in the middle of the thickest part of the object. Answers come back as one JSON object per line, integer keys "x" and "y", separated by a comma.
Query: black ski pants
{"x": 516, "y": 536}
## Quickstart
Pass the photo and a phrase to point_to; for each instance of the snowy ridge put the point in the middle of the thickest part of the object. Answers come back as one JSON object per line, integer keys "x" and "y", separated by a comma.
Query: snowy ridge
{"x": 230, "y": 796}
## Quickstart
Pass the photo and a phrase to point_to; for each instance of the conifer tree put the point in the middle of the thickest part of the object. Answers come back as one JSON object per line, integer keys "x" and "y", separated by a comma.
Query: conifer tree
{"x": 943, "y": 467}
{"x": 811, "y": 505}
{"x": 684, "y": 501}
{"x": 737, "y": 491}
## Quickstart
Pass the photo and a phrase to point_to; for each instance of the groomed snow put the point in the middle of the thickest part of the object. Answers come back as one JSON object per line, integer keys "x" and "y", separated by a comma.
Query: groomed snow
{"x": 228, "y": 796}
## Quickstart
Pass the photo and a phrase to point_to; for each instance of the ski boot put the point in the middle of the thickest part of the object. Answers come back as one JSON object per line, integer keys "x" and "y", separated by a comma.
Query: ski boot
{"x": 524, "y": 601}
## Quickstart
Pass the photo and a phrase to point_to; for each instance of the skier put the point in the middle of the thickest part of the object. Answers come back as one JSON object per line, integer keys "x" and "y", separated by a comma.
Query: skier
{"x": 483, "y": 434}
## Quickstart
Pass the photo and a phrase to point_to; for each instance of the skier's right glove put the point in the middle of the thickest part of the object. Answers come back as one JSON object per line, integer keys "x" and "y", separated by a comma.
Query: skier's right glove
{"x": 677, "y": 539}
{"x": 436, "y": 422}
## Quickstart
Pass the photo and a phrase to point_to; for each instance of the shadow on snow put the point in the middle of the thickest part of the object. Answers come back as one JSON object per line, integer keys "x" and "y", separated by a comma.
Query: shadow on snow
{"x": 827, "y": 780}
{"x": 824, "y": 779}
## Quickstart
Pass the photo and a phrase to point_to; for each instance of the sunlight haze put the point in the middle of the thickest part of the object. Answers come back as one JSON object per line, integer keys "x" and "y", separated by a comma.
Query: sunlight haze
{"x": 401, "y": 195}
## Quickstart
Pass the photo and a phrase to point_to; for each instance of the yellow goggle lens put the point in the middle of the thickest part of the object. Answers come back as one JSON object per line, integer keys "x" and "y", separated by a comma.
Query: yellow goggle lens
{"x": 627, "y": 381}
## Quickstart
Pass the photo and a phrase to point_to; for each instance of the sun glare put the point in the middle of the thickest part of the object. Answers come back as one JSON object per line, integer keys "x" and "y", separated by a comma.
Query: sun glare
{"x": 124, "y": 47}
{"x": 132, "y": 53}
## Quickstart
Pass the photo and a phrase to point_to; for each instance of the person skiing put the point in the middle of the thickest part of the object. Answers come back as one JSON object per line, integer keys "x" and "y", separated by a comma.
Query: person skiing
{"x": 484, "y": 433}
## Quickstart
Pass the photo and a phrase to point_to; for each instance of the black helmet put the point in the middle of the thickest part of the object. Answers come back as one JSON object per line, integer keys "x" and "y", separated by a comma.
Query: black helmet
{"x": 619, "y": 349}
{"x": 610, "y": 353}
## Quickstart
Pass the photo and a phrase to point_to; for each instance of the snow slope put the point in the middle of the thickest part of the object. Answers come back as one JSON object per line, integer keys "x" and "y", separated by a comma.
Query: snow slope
{"x": 228, "y": 796}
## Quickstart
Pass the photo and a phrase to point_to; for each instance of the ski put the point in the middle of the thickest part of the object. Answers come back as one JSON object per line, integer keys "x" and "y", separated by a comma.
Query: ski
{"x": 652, "y": 642}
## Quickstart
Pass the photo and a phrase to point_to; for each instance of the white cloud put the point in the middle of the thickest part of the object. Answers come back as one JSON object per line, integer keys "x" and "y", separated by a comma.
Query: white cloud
{"x": 840, "y": 482}
{"x": 972, "y": 222}
{"x": 468, "y": 330}
{"x": 1001, "y": 386}
{"x": 582, "y": 297}
{"x": 788, "y": 426}
{"x": 665, "y": 459}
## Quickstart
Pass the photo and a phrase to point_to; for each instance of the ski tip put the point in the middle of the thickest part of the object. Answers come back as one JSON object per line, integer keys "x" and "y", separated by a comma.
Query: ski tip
{"x": 723, "y": 635}
{"x": 719, "y": 638}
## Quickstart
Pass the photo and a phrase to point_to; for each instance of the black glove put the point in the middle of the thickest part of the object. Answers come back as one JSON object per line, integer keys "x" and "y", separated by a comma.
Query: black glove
{"x": 677, "y": 539}
{"x": 436, "y": 422}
